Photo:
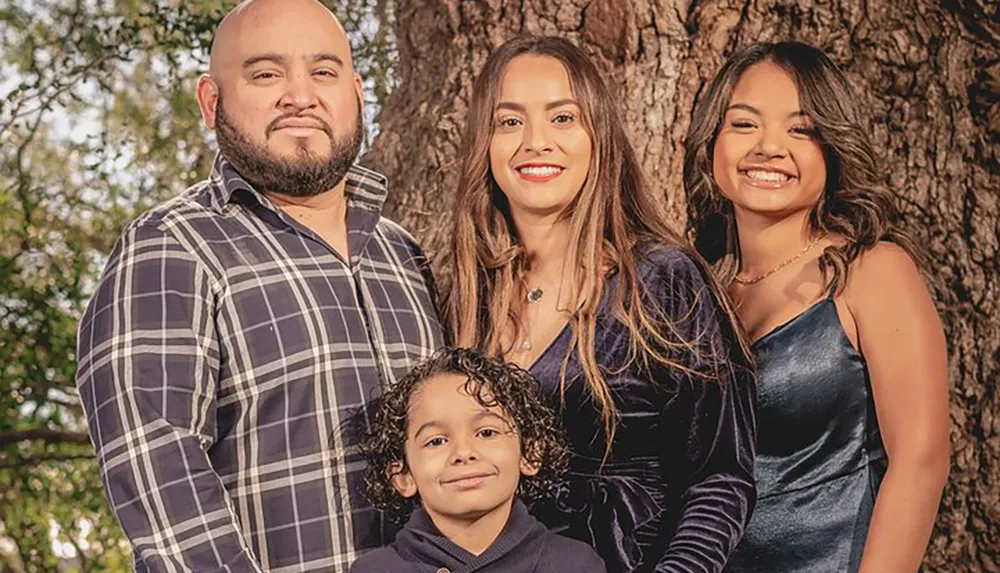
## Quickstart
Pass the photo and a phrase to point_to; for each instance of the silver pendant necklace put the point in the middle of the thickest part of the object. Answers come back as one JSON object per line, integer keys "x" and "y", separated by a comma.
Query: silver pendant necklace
{"x": 534, "y": 295}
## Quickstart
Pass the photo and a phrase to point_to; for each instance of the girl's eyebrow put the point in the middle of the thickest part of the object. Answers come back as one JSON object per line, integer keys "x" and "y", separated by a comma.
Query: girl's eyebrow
{"x": 755, "y": 111}
{"x": 744, "y": 107}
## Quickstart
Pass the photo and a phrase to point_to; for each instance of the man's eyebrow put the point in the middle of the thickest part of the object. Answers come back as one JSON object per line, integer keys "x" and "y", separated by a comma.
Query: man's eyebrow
{"x": 752, "y": 109}
{"x": 551, "y": 105}
{"x": 328, "y": 56}
{"x": 282, "y": 60}
{"x": 268, "y": 57}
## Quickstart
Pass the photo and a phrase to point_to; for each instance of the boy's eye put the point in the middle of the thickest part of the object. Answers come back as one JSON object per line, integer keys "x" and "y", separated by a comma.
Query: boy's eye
{"x": 435, "y": 442}
{"x": 488, "y": 433}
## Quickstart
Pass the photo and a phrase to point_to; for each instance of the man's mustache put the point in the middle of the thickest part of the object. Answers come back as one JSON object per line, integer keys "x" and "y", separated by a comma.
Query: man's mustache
{"x": 323, "y": 125}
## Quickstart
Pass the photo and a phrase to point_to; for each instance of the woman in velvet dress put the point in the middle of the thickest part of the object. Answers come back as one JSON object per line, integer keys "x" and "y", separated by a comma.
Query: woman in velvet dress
{"x": 562, "y": 262}
{"x": 788, "y": 204}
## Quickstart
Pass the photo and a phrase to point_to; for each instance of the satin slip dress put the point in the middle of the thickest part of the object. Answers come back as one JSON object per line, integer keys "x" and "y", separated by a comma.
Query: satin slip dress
{"x": 820, "y": 457}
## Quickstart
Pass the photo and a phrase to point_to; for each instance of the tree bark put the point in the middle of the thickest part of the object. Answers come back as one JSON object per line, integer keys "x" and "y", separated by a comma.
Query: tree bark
{"x": 928, "y": 73}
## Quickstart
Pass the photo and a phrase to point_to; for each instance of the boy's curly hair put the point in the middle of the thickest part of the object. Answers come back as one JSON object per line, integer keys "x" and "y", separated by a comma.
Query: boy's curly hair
{"x": 491, "y": 383}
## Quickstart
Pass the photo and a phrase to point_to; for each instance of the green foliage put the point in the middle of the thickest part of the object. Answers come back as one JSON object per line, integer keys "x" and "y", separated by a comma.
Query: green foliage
{"x": 98, "y": 122}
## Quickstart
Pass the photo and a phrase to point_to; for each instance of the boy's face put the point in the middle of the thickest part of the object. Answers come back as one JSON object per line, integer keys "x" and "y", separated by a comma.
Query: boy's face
{"x": 464, "y": 460}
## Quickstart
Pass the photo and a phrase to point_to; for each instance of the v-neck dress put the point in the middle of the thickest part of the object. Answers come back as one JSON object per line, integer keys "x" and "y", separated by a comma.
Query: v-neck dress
{"x": 677, "y": 488}
{"x": 820, "y": 457}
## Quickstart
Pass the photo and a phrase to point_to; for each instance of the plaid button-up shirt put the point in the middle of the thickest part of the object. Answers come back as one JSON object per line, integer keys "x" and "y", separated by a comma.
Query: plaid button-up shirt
{"x": 220, "y": 360}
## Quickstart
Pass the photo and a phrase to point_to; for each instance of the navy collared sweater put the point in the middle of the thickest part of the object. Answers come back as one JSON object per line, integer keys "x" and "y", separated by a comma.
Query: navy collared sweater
{"x": 525, "y": 546}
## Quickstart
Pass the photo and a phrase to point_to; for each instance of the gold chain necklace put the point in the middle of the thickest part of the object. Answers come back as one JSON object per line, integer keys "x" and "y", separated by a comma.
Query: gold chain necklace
{"x": 757, "y": 279}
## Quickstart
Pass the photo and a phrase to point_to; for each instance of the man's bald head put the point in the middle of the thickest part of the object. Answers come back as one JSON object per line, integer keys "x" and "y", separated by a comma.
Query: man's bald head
{"x": 244, "y": 21}
{"x": 283, "y": 96}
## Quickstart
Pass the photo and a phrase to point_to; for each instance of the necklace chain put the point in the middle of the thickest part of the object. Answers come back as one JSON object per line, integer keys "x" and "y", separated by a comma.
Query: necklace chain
{"x": 758, "y": 278}
{"x": 534, "y": 295}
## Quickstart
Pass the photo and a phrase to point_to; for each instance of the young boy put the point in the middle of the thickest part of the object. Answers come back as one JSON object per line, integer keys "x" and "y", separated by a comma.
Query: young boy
{"x": 464, "y": 437}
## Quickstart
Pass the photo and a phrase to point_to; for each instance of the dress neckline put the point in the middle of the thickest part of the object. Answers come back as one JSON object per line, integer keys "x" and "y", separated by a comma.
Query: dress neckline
{"x": 788, "y": 323}
{"x": 562, "y": 332}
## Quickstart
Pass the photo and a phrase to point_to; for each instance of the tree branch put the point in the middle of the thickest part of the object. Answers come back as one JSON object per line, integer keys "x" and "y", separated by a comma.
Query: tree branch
{"x": 74, "y": 406}
{"x": 46, "y": 99}
{"x": 84, "y": 563}
{"x": 36, "y": 460}
{"x": 44, "y": 434}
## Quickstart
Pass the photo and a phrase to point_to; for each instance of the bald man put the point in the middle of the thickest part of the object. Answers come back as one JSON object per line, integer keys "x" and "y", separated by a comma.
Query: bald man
{"x": 239, "y": 326}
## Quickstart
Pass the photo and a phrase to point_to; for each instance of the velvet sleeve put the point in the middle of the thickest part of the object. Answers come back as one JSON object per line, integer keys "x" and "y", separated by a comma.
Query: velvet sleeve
{"x": 712, "y": 416}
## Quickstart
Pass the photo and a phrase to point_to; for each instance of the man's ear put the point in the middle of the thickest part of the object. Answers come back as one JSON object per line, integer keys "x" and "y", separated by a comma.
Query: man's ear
{"x": 401, "y": 479}
{"x": 208, "y": 99}
{"x": 359, "y": 89}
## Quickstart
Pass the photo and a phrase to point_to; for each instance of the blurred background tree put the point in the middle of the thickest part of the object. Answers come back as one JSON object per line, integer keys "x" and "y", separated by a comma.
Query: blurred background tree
{"x": 98, "y": 122}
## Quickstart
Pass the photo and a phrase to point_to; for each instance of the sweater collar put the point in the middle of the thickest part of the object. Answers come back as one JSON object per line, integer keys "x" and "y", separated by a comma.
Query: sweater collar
{"x": 422, "y": 539}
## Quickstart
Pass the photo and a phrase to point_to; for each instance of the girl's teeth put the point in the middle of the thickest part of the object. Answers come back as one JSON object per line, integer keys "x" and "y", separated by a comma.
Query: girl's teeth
{"x": 769, "y": 176}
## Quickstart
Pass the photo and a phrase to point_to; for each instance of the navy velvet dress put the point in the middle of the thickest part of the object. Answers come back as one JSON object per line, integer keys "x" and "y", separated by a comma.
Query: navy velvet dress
{"x": 677, "y": 490}
{"x": 820, "y": 457}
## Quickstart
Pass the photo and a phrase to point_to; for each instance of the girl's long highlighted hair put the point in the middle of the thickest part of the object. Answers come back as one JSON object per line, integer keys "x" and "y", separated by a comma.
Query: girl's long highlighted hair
{"x": 855, "y": 204}
{"x": 611, "y": 219}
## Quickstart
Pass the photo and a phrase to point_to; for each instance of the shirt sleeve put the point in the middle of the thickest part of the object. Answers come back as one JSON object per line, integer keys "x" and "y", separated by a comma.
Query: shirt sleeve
{"x": 148, "y": 363}
{"x": 716, "y": 401}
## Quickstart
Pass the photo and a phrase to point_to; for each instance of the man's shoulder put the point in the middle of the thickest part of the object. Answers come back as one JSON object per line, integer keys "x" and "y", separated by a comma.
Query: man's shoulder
{"x": 398, "y": 236}
{"x": 157, "y": 227}
{"x": 193, "y": 202}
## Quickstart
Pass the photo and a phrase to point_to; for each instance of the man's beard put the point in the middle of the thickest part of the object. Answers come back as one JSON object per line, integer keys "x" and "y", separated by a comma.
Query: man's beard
{"x": 304, "y": 175}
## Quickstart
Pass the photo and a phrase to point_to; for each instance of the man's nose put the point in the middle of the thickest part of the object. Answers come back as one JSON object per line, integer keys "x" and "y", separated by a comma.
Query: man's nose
{"x": 300, "y": 93}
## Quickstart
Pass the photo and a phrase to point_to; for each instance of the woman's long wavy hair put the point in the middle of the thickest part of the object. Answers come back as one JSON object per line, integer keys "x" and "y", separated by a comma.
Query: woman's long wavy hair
{"x": 610, "y": 220}
{"x": 855, "y": 204}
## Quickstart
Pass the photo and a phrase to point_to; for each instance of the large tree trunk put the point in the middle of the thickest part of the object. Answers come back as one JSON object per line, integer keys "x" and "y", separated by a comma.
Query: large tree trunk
{"x": 928, "y": 74}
